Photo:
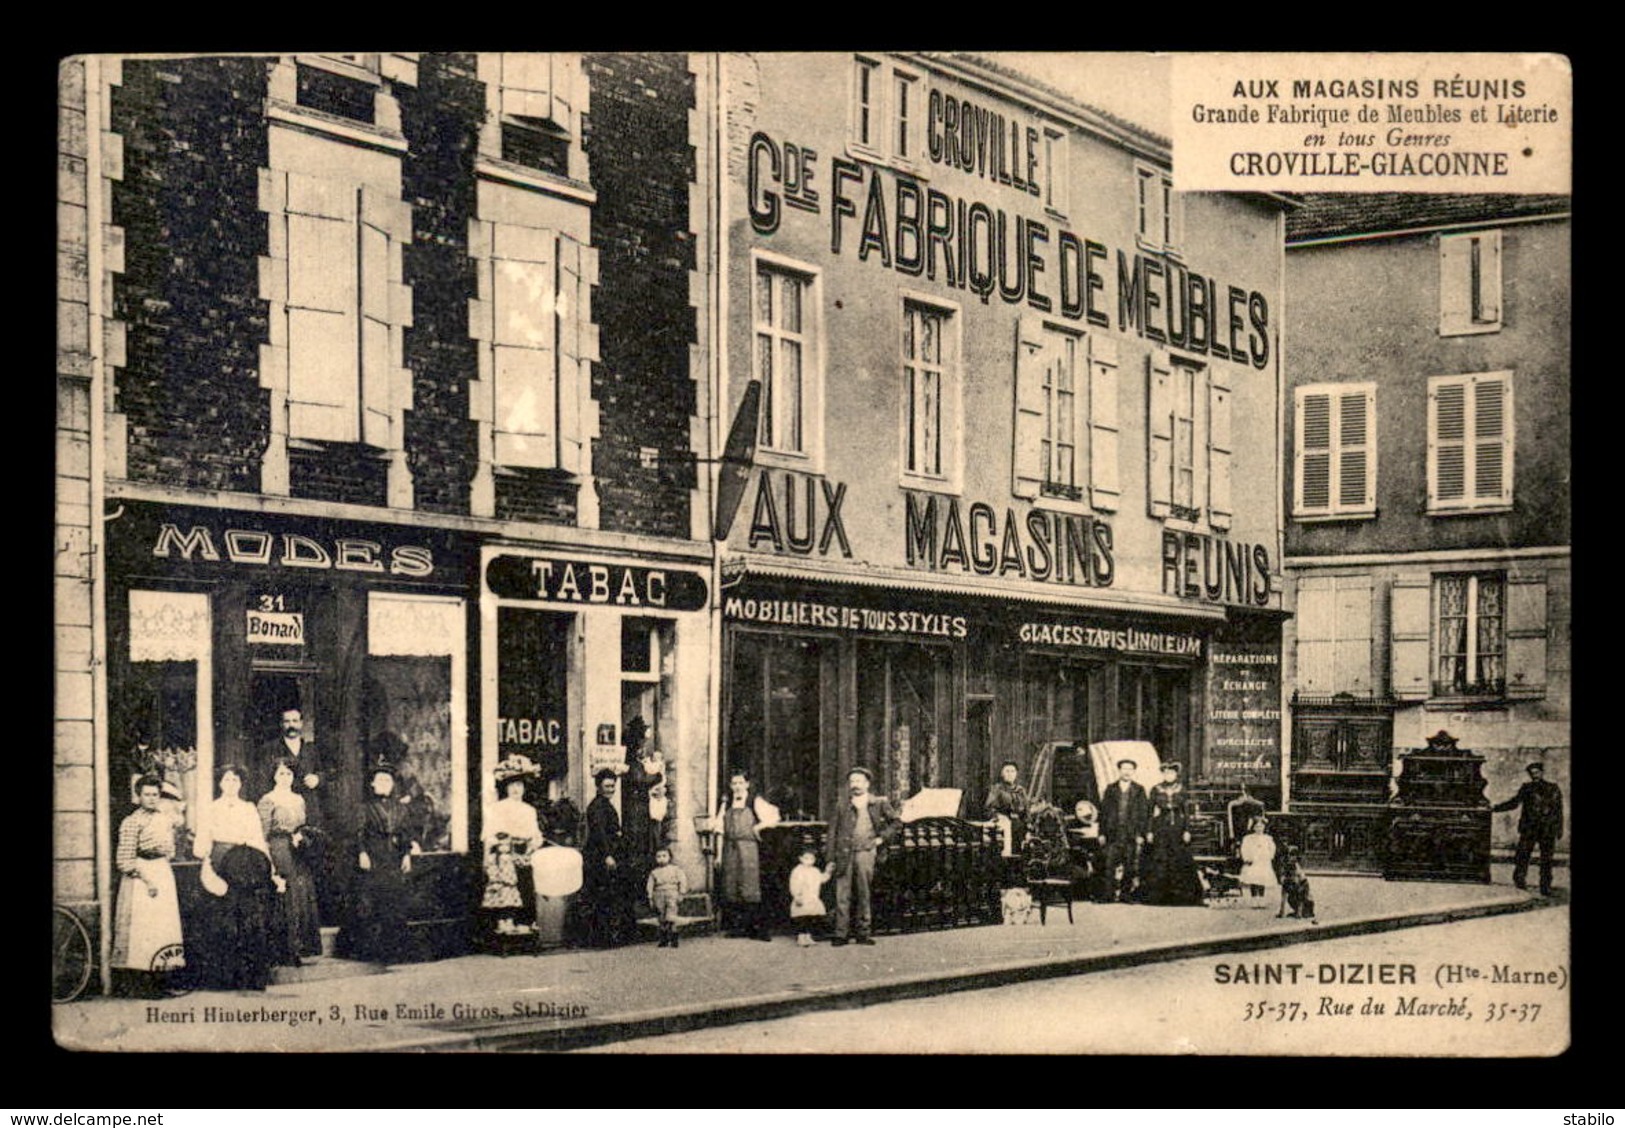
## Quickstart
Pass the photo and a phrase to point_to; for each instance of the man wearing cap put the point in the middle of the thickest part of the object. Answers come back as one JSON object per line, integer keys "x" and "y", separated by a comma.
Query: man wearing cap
{"x": 1540, "y": 823}
{"x": 863, "y": 822}
{"x": 1125, "y": 815}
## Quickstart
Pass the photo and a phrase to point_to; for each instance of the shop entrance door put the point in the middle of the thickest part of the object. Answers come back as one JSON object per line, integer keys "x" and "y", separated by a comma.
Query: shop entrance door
{"x": 273, "y": 689}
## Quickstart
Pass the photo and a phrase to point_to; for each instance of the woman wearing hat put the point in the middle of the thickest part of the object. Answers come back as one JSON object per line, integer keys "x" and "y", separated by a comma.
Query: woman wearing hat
{"x": 511, "y": 833}
{"x": 387, "y": 839}
{"x": 147, "y": 925}
{"x": 239, "y": 946}
{"x": 1170, "y": 871}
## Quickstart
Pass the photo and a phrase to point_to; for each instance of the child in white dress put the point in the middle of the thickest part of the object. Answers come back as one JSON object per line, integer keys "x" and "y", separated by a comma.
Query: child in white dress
{"x": 1258, "y": 861}
{"x": 806, "y": 906}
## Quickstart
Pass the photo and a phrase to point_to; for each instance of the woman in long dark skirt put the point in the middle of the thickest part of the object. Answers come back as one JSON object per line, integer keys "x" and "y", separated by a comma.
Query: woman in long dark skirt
{"x": 1169, "y": 875}
{"x": 239, "y": 944}
{"x": 282, "y": 814}
{"x": 387, "y": 839}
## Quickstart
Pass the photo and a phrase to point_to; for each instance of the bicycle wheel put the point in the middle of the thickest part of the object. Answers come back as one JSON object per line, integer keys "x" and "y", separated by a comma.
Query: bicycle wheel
{"x": 70, "y": 956}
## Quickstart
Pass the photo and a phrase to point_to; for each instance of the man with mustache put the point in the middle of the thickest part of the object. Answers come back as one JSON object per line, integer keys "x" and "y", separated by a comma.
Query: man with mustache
{"x": 863, "y": 823}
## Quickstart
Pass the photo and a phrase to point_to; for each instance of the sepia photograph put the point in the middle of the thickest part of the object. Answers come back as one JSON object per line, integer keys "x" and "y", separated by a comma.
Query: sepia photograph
{"x": 813, "y": 552}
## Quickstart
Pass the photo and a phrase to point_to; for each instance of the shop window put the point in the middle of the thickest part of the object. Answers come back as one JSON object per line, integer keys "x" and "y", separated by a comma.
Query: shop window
{"x": 1189, "y": 444}
{"x": 647, "y": 662}
{"x": 1153, "y": 704}
{"x": 775, "y": 717}
{"x": 1469, "y": 283}
{"x": 785, "y": 311}
{"x": 535, "y": 322}
{"x": 1336, "y": 451}
{"x": 1159, "y": 210}
{"x": 1470, "y": 442}
{"x": 1065, "y": 443}
{"x": 345, "y": 306}
{"x": 1334, "y": 635}
{"x": 414, "y": 707}
{"x": 169, "y": 697}
{"x": 930, "y": 394}
{"x": 902, "y": 717}
{"x": 1470, "y": 635}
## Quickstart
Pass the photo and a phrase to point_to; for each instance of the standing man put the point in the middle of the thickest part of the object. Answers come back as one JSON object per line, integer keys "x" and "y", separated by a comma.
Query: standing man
{"x": 863, "y": 823}
{"x": 1125, "y": 816}
{"x": 1540, "y": 823}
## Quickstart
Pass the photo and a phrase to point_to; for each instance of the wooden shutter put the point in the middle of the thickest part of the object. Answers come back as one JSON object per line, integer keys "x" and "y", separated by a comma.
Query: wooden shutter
{"x": 1455, "y": 284}
{"x": 1316, "y": 632}
{"x": 524, "y": 346}
{"x": 1027, "y": 477}
{"x": 1492, "y": 439}
{"x": 1447, "y": 443}
{"x": 1313, "y": 442}
{"x": 1159, "y": 474}
{"x": 1218, "y": 450}
{"x": 1356, "y": 450}
{"x": 377, "y": 284}
{"x": 1351, "y": 650}
{"x": 323, "y": 310}
{"x": 1489, "y": 278}
{"x": 1410, "y": 621}
{"x": 1526, "y": 635}
{"x": 1104, "y": 484}
{"x": 573, "y": 379}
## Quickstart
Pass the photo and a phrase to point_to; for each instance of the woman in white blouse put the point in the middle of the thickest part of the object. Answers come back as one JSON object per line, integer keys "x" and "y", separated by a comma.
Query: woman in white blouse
{"x": 511, "y": 833}
{"x": 237, "y": 948}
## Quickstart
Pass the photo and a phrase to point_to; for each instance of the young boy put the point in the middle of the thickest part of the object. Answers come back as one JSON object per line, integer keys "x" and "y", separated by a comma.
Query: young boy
{"x": 806, "y": 906}
{"x": 665, "y": 889}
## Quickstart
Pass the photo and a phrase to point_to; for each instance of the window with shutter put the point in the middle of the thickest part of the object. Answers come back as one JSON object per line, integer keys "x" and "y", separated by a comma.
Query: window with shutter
{"x": 345, "y": 302}
{"x": 539, "y": 346}
{"x": 1469, "y": 639}
{"x": 1335, "y": 451}
{"x": 1159, "y": 433}
{"x": 1469, "y": 283}
{"x": 1470, "y": 442}
{"x": 1030, "y": 427}
{"x": 1334, "y": 635}
{"x": 1408, "y": 620}
{"x": 1526, "y": 635}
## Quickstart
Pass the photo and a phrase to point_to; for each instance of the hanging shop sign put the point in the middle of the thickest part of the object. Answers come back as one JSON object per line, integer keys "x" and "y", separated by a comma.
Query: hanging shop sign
{"x": 551, "y": 579}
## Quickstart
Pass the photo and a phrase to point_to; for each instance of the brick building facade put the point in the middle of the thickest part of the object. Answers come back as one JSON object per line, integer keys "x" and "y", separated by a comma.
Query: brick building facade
{"x": 375, "y": 373}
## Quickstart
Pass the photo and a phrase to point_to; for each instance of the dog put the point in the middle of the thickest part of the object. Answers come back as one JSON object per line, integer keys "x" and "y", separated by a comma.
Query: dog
{"x": 1017, "y": 905}
{"x": 1295, "y": 892}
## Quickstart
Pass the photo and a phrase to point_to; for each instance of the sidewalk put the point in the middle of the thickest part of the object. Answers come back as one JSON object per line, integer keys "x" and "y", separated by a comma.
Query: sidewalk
{"x": 572, "y": 998}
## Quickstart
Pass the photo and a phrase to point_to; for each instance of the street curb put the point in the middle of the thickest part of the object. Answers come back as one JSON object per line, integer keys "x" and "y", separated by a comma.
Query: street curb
{"x": 547, "y": 1035}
